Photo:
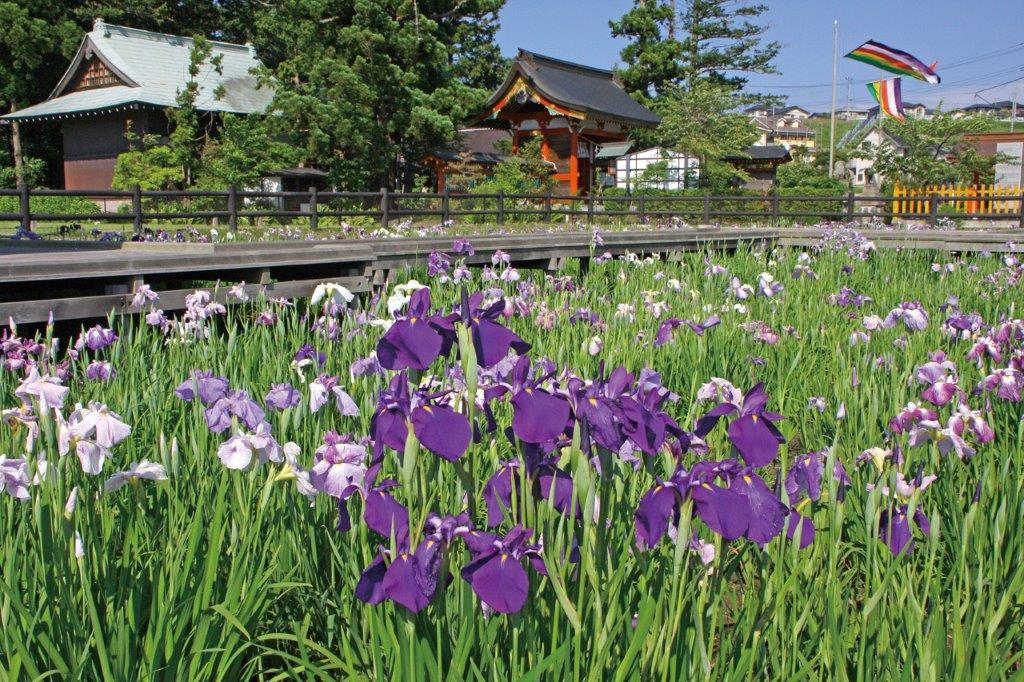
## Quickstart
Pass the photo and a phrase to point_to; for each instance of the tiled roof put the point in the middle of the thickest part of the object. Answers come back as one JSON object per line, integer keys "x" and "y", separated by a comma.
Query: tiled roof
{"x": 594, "y": 92}
{"x": 154, "y": 68}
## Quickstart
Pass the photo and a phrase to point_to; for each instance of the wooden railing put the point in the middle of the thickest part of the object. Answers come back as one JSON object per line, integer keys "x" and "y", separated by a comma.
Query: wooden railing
{"x": 141, "y": 209}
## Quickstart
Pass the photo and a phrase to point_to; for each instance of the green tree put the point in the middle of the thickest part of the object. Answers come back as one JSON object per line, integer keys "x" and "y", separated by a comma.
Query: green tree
{"x": 669, "y": 45}
{"x": 37, "y": 39}
{"x": 524, "y": 172}
{"x": 701, "y": 121}
{"x": 930, "y": 150}
{"x": 474, "y": 57}
{"x": 365, "y": 87}
{"x": 808, "y": 176}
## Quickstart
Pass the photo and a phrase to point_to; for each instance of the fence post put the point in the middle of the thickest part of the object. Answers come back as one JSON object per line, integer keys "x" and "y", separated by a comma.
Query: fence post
{"x": 25, "y": 207}
{"x": 850, "y": 206}
{"x": 707, "y": 209}
{"x": 547, "y": 207}
{"x": 1020, "y": 211}
{"x": 590, "y": 208}
{"x": 314, "y": 209}
{"x": 385, "y": 208}
{"x": 933, "y": 208}
{"x": 137, "y": 209}
{"x": 643, "y": 209}
{"x": 445, "y": 206}
{"x": 775, "y": 208}
{"x": 232, "y": 208}
{"x": 501, "y": 207}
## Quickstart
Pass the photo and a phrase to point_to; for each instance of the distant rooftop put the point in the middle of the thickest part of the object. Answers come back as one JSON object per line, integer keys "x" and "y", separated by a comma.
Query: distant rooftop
{"x": 117, "y": 67}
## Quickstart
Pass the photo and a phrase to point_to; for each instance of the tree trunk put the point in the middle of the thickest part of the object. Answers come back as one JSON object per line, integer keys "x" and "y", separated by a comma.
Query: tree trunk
{"x": 19, "y": 161}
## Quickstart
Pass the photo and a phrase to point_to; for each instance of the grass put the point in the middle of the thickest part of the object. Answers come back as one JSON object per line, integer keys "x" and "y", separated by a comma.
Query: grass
{"x": 218, "y": 574}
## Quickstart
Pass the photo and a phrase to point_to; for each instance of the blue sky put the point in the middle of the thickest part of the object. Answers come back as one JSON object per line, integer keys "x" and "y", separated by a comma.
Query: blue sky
{"x": 978, "y": 44}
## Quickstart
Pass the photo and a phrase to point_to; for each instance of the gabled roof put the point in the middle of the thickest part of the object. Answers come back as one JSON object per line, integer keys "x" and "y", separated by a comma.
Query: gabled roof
{"x": 762, "y": 152}
{"x": 595, "y": 93}
{"x": 151, "y": 68}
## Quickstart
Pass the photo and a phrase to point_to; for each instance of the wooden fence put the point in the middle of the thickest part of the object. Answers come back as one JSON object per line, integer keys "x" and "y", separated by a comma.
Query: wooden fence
{"x": 228, "y": 207}
{"x": 972, "y": 200}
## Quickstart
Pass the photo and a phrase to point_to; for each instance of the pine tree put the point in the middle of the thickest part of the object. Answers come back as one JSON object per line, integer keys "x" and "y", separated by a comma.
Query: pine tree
{"x": 669, "y": 45}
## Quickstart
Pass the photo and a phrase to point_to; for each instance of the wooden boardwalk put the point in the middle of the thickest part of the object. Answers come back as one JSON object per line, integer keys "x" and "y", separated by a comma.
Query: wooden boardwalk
{"x": 91, "y": 280}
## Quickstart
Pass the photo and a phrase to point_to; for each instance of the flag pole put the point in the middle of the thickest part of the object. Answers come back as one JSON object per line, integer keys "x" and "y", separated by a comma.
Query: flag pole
{"x": 832, "y": 122}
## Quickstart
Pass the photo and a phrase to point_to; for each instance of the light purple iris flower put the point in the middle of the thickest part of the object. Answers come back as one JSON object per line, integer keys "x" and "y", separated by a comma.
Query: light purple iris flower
{"x": 100, "y": 371}
{"x": 282, "y": 396}
{"x": 14, "y": 477}
{"x": 323, "y": 388}
{"x": 911, "y": 313}
{"x": 340, "y": 467}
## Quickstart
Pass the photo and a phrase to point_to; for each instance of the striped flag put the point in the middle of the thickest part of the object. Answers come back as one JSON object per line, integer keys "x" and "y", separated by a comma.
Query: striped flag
{"x": 890, "y": 59}
{"x": 887, "y": 92}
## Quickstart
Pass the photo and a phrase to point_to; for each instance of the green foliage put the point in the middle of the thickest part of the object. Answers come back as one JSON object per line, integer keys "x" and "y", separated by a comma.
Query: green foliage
{"x": 807, "y": 176}
{"x": 33, "y": 171}
{"x": 53, "y": 205}
{"x": 234, "y": 575}
{"x": 702, "y": 121}
{"x": 242, "y": 150}
{"x": 930, "y": 150}
{"x": 713, "y": 40}
{"x": 361, "y": 84}
{"x": 149, "y": 164}
{"x": 525, "y": 172}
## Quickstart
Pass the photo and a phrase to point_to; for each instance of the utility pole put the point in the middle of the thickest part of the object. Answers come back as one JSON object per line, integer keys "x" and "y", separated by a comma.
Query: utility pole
{"x": 1013, "y": 109}
{"x": 849, "y": 82}
{"x": 832, "y": 122}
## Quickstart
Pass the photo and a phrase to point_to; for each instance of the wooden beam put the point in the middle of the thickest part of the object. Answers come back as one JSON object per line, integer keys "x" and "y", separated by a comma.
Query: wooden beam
{"x": 574, "y": 161}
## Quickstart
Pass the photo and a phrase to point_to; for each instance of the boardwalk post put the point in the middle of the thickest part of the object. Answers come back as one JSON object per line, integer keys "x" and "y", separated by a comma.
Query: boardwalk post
{"x": 1020, "y": 211}
{"x": 446, "y": 209}
{"x": 385, "y": 208}
{"x": 25, "y": 207}
{"x": 547, "y": 207}
{"x": 137, "y": 209}
{"x": 850, "y": 206}
{"x": 232, "y": 208}
{"x": 933, "y": 209}
{"x": 642, "y": 208}
{"x": 314, "y": 210}
{"x": 501, "y": 207}
{"x": 590, "y": 208}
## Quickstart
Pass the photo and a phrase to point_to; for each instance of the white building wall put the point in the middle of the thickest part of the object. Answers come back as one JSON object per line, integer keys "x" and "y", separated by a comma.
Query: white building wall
{"x": 629, "y": 169}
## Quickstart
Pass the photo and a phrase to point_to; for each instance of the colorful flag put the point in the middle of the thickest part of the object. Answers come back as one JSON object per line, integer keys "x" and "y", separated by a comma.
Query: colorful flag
{"x": 887, "y": 92}
{"x": 896, "y": 61}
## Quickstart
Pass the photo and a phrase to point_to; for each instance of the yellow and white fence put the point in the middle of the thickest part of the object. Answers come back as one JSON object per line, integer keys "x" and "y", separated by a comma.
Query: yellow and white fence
{"x": 970, "y": 199}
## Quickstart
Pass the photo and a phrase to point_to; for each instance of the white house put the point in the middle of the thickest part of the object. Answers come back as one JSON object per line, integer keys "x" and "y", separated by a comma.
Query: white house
{"x": 683, "y": 170}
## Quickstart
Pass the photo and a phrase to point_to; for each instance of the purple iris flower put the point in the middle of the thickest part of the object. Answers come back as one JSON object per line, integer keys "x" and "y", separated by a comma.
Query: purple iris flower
{"x": 643, "y": 421}
{"x": 723, "y": 510}
{"x": 416, "y": 340}
{"x": 804, "y": 483}
{"x": 96, "y": 338}
{"x": 496, "y": 572}
{"x": 463, "y": 247}
{"x": 438, "y": 427}
{"x": 438, "y": 263}
{"x": 234, "y": 404}
{"x": 282, "y": 396}
{"x": 411, "y": 579}
{"x": 665, "y": 329}
{"x": 546, "y": 480}
{"x": 539, "y": 416}
{"x": 209, "y": 388}
{"x": 491, "y": 340}
{"x": 340, "y": 467}
{"x": 311, "y": 355}
{"x": 899, "y": 534}
{"x": 100, "y": 371}
{"x": 753, "y": 432}
{"x": 598, "y": 405}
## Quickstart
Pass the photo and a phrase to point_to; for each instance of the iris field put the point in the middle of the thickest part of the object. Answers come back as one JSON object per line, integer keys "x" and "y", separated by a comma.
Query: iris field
{"x": 759, "y": 465}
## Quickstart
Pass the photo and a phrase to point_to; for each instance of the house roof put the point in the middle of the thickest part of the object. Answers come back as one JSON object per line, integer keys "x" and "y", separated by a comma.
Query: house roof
{"x": 476, "y": 145}
{"x": 596, "y": 93}
{"x": 613, "y": 150}
{"x": 763, "y": 152}
{"x": 151, "y": 69}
